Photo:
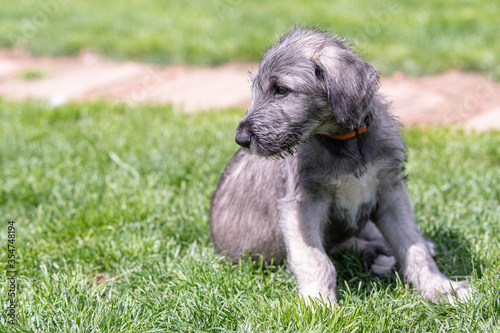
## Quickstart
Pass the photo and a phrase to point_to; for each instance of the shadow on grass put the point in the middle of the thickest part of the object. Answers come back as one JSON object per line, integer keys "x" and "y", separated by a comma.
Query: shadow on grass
{"x": 454, "y": 258}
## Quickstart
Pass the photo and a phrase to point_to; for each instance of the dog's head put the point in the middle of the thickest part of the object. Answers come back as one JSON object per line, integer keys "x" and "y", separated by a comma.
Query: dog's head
{"x": 308, "y": 83}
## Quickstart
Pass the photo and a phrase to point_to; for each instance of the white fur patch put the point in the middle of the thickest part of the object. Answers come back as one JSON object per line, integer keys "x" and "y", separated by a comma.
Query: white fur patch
{"x": 352, "y": 192}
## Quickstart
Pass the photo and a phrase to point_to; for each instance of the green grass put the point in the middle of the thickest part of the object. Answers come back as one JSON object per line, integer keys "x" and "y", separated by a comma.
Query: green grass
{"x": 415, "y": 37}
{"x": 102, "y": 191}
{"x": 31, "y": 74}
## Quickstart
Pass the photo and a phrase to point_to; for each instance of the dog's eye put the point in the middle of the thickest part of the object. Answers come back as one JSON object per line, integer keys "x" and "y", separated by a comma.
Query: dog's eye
{"x": 280, "y": 90}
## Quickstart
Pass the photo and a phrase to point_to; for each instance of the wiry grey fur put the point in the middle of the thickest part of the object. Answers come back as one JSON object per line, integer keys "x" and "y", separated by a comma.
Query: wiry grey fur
{"x": 295, "y": 193}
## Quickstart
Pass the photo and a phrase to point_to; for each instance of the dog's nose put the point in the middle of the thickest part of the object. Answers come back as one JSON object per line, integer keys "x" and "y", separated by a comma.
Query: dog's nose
{"x": 243, "y": 137}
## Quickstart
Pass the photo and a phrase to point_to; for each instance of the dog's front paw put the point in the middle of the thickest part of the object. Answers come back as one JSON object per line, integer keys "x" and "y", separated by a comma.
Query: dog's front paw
{"x": 447, "y": 289}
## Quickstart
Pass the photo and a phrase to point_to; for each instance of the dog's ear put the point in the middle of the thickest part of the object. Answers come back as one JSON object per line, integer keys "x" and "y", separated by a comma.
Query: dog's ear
{"x": 349, "y": 82}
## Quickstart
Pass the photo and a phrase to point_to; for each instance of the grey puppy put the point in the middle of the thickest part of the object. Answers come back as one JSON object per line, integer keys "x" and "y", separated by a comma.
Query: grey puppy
{"x": 323, "y": 161}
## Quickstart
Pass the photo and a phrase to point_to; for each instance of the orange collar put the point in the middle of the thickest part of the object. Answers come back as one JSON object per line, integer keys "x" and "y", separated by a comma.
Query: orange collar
{"x": 357, "y": 131}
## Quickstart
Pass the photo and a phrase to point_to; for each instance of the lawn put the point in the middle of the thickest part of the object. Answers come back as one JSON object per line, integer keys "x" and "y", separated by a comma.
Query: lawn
{"x": 117, "y": 195}
{"x": 417, "y": 38}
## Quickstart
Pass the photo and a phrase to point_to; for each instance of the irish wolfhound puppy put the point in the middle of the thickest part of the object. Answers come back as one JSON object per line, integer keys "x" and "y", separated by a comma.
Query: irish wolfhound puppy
{"x": 322, "y": 160}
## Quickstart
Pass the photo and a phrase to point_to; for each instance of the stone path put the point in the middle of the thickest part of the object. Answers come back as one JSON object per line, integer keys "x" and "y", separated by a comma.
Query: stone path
{"x": 470, "y": 100}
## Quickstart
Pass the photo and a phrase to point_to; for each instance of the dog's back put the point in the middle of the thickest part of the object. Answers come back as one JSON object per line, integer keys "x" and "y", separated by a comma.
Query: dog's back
{"x": 244, "y": 212}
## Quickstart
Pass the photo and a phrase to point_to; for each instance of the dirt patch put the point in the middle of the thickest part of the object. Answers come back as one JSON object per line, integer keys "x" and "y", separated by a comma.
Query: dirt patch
{"x": 451, "y": 98}
{"x": 471, "y": 100}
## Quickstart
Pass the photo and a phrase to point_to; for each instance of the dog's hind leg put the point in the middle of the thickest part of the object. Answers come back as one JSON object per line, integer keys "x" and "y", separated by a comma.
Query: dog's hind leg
{"x": 375, "y": 252}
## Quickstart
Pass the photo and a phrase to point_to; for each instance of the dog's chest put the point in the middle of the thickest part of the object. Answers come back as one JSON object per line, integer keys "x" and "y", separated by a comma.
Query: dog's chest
{"x": 354, "y": 198}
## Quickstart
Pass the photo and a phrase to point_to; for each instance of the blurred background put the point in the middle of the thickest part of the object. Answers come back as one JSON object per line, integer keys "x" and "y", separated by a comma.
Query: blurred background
{"x": 137, "y": 51}
{"x": 416, "y": 38}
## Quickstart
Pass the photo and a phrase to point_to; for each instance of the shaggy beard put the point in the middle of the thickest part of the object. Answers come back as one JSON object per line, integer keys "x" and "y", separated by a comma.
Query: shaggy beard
{"x": 277, "y": 149}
